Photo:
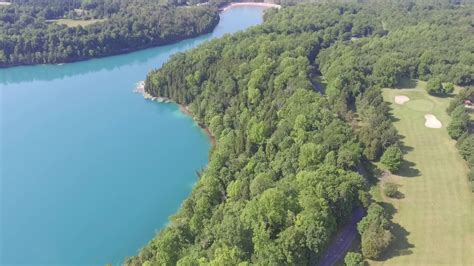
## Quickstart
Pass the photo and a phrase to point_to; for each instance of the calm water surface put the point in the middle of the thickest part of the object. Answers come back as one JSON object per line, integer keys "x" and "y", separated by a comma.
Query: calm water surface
{"x": 89, "y": 170}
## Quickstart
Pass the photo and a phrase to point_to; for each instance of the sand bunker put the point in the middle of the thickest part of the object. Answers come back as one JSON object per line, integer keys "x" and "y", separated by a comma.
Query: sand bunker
{"x": 432, "y": 121}
{"x": 401, "y": 99}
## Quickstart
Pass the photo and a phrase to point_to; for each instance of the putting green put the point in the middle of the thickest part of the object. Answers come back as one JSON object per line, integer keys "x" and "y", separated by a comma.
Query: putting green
{"x": 421, "y": 105}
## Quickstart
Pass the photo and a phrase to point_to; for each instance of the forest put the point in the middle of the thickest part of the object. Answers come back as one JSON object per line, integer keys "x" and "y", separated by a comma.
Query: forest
{"x": 286, "y": 172}
{"x": 29, "y": 33}
{"x": 461, "y": 127}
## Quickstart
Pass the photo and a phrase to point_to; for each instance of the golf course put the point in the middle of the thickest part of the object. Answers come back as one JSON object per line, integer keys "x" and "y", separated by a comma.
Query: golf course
{"x": 433, "y": 217}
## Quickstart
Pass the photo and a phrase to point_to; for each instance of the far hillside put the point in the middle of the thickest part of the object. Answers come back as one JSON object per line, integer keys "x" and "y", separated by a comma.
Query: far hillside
{"x": 57, "y": 31}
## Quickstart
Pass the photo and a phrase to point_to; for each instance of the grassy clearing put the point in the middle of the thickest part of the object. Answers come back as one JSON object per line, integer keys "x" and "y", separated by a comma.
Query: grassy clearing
{"x": 434, "y": 216}
{"x": 76, "y": 23}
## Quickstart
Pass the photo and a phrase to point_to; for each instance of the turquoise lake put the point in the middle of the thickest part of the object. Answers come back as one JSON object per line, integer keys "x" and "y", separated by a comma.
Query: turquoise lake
{"x": 90, "y": 171}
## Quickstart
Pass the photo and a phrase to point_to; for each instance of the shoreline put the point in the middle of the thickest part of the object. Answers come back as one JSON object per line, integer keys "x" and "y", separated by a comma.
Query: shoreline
{"x": 140, "y": 89}
{"x": 241, "y": 4}
{"x": 137, "y": 49}
{"x": 124, "y": 51}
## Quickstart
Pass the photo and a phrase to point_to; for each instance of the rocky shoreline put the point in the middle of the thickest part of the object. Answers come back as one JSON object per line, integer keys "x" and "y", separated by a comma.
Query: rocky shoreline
{"x": 140, "y": 88}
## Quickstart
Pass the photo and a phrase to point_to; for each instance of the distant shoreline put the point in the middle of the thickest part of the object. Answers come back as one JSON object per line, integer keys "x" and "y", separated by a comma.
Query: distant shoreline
{"x": 125, "y": 50}
{"x": 258, "y": 4}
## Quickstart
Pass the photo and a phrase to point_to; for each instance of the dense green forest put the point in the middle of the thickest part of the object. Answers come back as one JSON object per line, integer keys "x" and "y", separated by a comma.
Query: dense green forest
{"x": 424, "y": 43}
{"x": 284, "y": 173}
{"x": 439, "y": 49}
{"x": 283, "y": 176}
{"x": 30, "y": 34}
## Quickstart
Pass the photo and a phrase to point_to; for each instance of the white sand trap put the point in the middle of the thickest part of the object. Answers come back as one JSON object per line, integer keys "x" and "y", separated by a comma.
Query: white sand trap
{"x": 401, "y": 99}
{"x": 432, "y": 121}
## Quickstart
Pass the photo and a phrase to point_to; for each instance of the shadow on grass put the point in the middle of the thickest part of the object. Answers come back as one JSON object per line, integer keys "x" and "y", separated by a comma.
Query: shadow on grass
{"x": 393, "y": 118}
{"x": 398, "y": 195}
{"x": 442, "y": 95}
{"x": 389, "y": 209}
{"x": 407, "y": 168}
{"x": 370, "y": 171}
{"x": 400, "y": 245}
{"x": 405, "y": 148}
{"x": 407, "y": 84}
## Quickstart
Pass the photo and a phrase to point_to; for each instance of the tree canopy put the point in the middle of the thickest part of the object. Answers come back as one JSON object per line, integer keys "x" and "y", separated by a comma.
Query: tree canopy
{"x": 353, "y": 259}
{"x": 29, "y": 33}
{"x": 283, "y": 175}
{"x": 392, "y": 158}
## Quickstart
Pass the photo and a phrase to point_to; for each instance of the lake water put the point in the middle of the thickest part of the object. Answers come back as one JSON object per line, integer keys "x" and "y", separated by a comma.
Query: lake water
{"x": 90, "y": 170}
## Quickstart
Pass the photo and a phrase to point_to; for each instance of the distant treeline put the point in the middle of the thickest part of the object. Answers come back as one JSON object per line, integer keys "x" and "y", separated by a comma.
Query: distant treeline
{"x": 29, "y": 35}
{"x": 283, "y": 175}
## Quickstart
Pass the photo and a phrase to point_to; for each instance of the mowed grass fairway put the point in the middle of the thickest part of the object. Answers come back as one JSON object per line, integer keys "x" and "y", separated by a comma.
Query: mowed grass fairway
{"x": 434, "y": 218}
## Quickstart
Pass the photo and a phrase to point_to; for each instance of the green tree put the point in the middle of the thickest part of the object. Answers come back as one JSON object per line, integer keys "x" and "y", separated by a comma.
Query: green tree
{"x": 374, "y": 231}
{"x": 375, "y": 241}
{"x": 388, "y": 70}
{"x": 459, "y": 122}
{"x": 260, "y": 183}
{"x": 226, "y": 256}
{"x": 435, "y": 86}
{"x": 448, "y": 88}
{"x": 390, "y": 190}
{"x": 392, "y": 158}
{"x": 310, "y": 155}
{"x": 466, "y": 146}
{"x": 353, "y": 259}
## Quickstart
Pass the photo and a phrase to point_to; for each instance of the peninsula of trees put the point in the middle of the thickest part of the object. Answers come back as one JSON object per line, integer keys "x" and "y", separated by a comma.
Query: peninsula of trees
{"x": 284, "y": 174}
{"x": 31, "y": 32}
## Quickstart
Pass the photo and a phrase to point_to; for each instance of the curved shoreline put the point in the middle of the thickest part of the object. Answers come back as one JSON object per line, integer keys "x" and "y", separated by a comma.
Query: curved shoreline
{"x": 183, "y": 108}
{"x": 135, "y": 49}
{"x": 125, "y": 50}
{"x": 241, "y": 4}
